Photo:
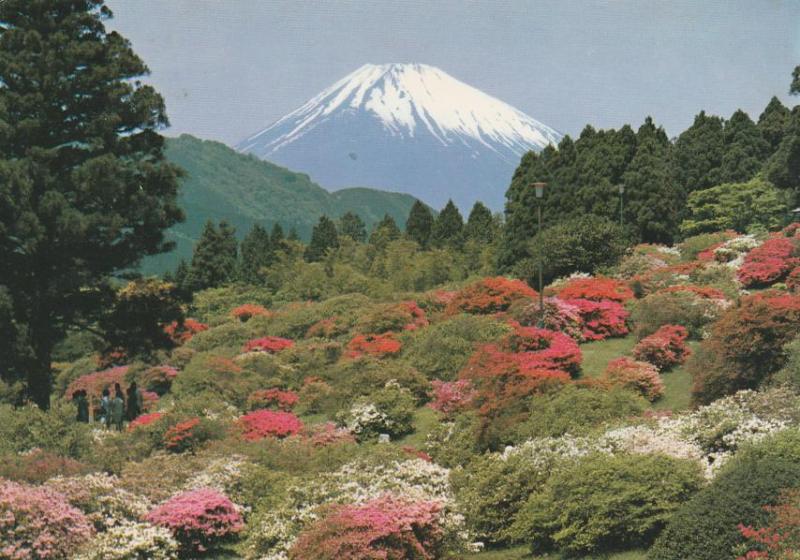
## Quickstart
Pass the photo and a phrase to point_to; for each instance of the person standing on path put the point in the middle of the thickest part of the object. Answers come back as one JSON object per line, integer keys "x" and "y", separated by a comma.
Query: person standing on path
{"x": 135, "y": 402}
{"x": 118, "y": 408}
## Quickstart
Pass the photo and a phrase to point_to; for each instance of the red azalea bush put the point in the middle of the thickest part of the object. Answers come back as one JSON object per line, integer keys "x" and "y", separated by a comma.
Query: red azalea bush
{"x": 271, "y": 344}
{"x": 268, "y": 398}
{"x": 559, "y": 316}
{"x": 386, "y": 528}
{"x": 378, "y": 345}
{"x": 417, "y": 315}
{"x": 181, "y": 333}
{"x": 183, "y": 436}
{"x": 39, "y": 523}
{"x": 639, "y": 376}
{"x": 780, "y": 540}
{"x": 659, "y": 278}
{"x": 144, "y": 420}
{"x": 746, "y": 345}
{"x": 664, "y": 348}
{"x": 596, "y": 289}
{"x": 94, "y": 383}
{"x": 543, "y": 348}
{"x": 793, "y": 280}
{"x": 36, "y": 466}
{"x": 158, "y": 379}
{"x": 706, "y": 292}
{"x": 451, "y": 396}
{"x": 199, "y": 519}
{"x": 249, "y": 310}
{"x": 769, "y": 263}
{"x": 326, "y": 328}
{"x": 269, "y": 423}
{"x": 601, "y": 319}
{"x": 490, "y": 295}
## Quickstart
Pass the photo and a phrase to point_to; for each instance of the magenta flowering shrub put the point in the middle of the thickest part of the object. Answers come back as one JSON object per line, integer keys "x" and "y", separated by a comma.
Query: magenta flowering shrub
{"x": 199, "y": 519}
{"x": 38, "y": 523}
{"x": 769, "y": 263}
{"x": 386, "y": 528}
{"x": 452, "y": 396}
{"x": 559, "y": 316}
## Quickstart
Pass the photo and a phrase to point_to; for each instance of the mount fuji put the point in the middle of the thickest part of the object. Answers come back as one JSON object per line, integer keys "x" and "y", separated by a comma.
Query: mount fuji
{"x": 410, "y": 128}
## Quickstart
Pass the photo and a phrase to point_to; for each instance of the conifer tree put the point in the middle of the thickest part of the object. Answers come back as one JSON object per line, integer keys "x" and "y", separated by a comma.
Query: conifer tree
{"x": 323, "y": 237}
{"x": 419, "y": 223}
{"x": 745, "y": 149}
{"x": 448, "y": 229}
{"x": 351, "y": 225}
{"x": 480, "y": 224}
{"x": 85, "y": 189}
{"x": 773, "y": 122}
{"x": 293, "y": 235}
{"x": 698, "y": 153}
{"x": 257, "y": 253}
{"x": 385, "y": 232}
{"x": 214, "y": 259}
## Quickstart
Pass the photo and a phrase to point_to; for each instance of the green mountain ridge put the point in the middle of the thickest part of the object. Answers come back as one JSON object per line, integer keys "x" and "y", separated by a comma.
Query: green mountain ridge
{"x": 223, "y": 184}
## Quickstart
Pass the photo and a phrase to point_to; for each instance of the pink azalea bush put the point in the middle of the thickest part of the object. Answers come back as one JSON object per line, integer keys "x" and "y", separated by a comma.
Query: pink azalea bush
{"x": 665, "y": 348}
{"x": 601, "y": 319}
{"x": 269, "y": 423}
{"x": 199, "y": 519}
{"x": 543, "y": 348}
{"x": 769, "y": 263}
{"x": 385, "y": 528}
{"x": 452, "y": 396}
{"x": 559, "y": 316}
{"x": 271, "y": 344}
{"x": 638, "y": 376}
{"x": 328, "y": 433}
{"x": 38, "y": 523}
{"x": 94, "y": 383}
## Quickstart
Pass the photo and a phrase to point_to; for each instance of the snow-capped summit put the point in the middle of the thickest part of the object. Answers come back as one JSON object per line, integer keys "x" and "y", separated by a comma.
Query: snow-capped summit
{"x": 406, "y": 127}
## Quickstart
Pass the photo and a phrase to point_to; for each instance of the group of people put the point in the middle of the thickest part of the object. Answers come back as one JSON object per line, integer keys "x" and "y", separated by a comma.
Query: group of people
{"x": 113, "y": 410}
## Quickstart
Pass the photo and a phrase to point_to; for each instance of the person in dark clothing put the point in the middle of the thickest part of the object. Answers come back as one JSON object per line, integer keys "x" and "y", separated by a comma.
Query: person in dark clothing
{"x": 117, "y": 408}
{"x": 82, "y": 403}
{"x": 135, "y": 402}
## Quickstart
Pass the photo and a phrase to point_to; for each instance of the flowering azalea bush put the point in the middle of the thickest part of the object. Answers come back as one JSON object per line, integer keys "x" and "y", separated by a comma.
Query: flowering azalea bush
{"x": 39, "y": 523}
{"x": 132, "y": 540}
{"x": 389, "y": 410}
{"x": 595, "y": 289}
{"x": 601, "y": 319}
{"x": 452, "y": 396}
{"x": 780, "y": 540}
{"x": 37, "y": 465}
{"x": 328, "y": 433}
{"x": 249, "y": 310}
{"x": 181, "y": 333}
{"x": 387, "y": 527}
{"x": 184, "y": 436}
{"x": 664, "y": 348}
{"x": 269, "y": 423}
{"x": 639, "y": 376}
{"x": 490, "y": 295}
{"x": 198, "y": 519}
{"x": 326, "y": 328}
{"x": 94, "y": 383}
{"x": 144, "y": 420}
{"x": 158, "y": 379}
{"x": 793, "y": 280}
{"x": 269, "y": 398}
{"x": 378, "y": 345}
{"x": 270, "y": 344}
{"x": 769, "y": 263}
{"x": 557, "y": 315}
{"x": 543, "y": 348}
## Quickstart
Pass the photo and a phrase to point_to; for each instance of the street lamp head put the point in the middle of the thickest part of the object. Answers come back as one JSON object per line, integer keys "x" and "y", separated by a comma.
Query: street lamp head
{"x": 539, "y": 189}
{"x": 621, "y": 188}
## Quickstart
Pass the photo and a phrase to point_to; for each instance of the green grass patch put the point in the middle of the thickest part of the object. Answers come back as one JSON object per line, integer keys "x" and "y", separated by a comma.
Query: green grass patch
{"x": 425, "y": 420}
{"x": 523, "y": 553}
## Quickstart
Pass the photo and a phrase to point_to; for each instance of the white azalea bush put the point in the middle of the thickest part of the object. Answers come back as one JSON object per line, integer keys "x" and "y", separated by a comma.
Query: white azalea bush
{"x": 131, "y": 540}
{"x": 272, "y": 533}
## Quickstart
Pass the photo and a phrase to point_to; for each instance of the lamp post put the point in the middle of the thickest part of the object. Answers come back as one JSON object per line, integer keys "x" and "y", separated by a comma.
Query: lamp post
{"x": 539, "y": 187}
{"x": 621, "y": 189}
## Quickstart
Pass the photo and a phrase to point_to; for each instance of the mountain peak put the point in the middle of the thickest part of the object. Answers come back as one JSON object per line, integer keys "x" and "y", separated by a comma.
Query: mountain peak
{"x": 409, "y": 105}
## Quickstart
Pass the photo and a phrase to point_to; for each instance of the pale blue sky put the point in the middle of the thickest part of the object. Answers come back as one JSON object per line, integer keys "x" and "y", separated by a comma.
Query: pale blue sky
{"x": 228, "y": 68}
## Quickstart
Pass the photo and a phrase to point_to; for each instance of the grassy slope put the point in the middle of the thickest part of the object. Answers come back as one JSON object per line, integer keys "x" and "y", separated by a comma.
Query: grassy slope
{"x": 221, "y": 183}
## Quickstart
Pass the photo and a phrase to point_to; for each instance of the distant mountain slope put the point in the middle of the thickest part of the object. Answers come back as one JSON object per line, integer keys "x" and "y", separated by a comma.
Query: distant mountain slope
{"x": 222, "y": 184}
{"x": 406, "y": 127}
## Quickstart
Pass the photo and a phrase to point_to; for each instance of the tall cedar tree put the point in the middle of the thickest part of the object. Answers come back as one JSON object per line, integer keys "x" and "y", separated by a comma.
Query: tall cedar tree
{"x": 745, "y": 149}
{"x": 323, "y": 237}
{"x": 698, "y": 153}
{"x": 214, "y": 259}
{"x": 293, "y": 235}
{"x": 257, "y": 252}
{"x": 85, "y": 191}
{"x": 385, "y": 232}
{"x": 783, "y": 168}
{"x": 480, "y": 224}
{"x": 419, "y": 223}
{"x": 448, "y": 229}
{"x": 351, "y": 225}
{"x": 773, "y": 122}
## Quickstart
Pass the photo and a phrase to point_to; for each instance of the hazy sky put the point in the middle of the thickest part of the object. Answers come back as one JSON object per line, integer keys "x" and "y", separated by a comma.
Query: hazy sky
{"x": 228, "y": 68}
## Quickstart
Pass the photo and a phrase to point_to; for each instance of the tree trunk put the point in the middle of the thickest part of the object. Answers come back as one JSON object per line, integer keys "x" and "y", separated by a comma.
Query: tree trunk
{"x": 40, "y": 377}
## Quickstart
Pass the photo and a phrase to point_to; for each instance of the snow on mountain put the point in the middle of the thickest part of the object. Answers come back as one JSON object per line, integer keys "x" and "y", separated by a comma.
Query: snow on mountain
{"x": 406, "y": 127}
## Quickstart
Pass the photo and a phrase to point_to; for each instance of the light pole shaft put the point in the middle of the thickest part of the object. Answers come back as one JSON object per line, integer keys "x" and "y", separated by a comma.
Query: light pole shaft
{"x": 621, "y": 215}
{"x": 541, "y": 286}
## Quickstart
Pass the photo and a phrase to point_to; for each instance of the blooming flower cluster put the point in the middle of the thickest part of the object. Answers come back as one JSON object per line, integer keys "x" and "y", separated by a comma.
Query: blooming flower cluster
{"x": 780, "y": 540}
{"x": 595, "y": 289}
{"x": 198, "y": 519}
{"x": 181, "y": 333}
{"x": 326, "y": 328}
{"x": 664, "y": 348}
{"x": 543, "y": 348}
{"x": 37, "y": 522}
{"x": 158, "y": 378}
{"x": 379, "y": 345}
{"x": 601, "y": 319}
{"x": 642, "y": 377}
{"x": 386, "y": 527}
{"x": 452, "y": 396}
{"x": 557, "y": 315}
{"x": 328, "y": 433}
{"x": 249, "y": 310}
{"x": 270, "y": 344}
{"x": 269, "y": 423}
{"x": 793, "y": 280}
{"x": 769, "y": 263}
{"x": 490, "y": 295}
{"x": 132, "y": 540}
{"x": 267, "y": 398}
{"x": 222, "y": 474}
{"x": 94, "y": 383}
{"x": 144, "y": 420}
{"x": 182, "y": 436}
{"x": 364, "y": 418}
